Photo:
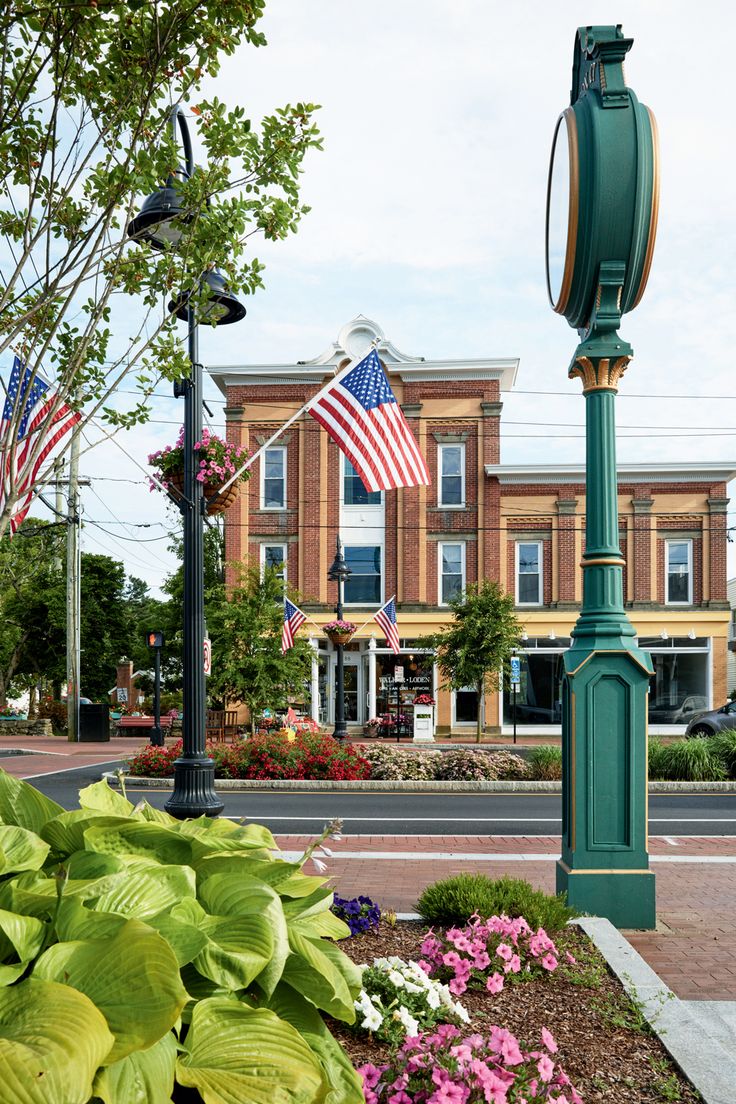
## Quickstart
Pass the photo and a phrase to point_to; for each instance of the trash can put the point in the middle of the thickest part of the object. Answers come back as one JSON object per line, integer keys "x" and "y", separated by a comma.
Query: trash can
{"x": 94, "y": 723}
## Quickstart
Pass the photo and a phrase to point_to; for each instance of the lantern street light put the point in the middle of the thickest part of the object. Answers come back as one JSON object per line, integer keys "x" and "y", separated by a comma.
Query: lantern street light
{"x": 338, "y": 573}
{"x": 161, "y": 223}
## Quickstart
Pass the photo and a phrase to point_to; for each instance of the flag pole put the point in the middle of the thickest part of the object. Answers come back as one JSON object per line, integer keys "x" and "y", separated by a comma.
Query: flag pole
{"x": 303, "y": 410}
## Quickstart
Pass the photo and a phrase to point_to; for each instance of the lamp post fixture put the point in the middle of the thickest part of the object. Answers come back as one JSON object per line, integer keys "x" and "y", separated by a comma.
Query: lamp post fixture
{"x": 161, "y": 223}
{"x": 338, "y": 573}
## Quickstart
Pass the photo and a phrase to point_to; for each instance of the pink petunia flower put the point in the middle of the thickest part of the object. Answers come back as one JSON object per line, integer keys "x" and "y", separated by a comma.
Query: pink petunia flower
{"x": 546, "y": 1068}
{"x": 494, "y": 983}
{"x": 549, "y": 962}
{"x": 549, "y": 1041}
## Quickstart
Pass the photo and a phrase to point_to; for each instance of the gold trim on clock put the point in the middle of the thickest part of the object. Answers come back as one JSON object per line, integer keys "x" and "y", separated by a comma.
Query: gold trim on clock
{"x": 572, "y": 210}
{"x": 654, "y": 213}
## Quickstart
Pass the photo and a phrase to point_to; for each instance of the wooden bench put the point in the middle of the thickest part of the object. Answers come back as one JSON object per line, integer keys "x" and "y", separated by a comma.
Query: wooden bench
{"x": 131, "y": 725}
{"x": 222, "y": 724}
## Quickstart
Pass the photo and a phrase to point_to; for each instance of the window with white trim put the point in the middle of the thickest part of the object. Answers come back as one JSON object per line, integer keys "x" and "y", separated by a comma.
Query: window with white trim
{"x": 529, "y": 591}
{"x": 275, "y": 556}
{"x": 678, "y": 572}
{"x": 364, "y": 585}
{"x": 451, "y": 561}
{"x": 273, "y": 479}
{"x": 353, "y": 491}
{"x": 451, "y": 463}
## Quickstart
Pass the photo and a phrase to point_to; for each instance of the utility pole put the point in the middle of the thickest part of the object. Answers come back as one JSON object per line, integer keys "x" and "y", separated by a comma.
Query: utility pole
{"x": 73, "y": 593}
{"x": 59, "y": 503}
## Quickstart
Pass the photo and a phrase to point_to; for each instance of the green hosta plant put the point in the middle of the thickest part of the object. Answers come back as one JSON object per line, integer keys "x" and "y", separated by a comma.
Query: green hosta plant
{"x": 145, "y": 960}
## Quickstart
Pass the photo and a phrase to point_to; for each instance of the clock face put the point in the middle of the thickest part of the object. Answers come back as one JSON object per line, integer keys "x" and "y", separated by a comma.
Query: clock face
{"x": 562, "y": 211}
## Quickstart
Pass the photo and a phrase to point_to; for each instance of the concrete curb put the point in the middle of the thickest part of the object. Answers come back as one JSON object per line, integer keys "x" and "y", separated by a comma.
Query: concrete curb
{"x": 389, "y": 786}
{"x": 707, "y": 1065}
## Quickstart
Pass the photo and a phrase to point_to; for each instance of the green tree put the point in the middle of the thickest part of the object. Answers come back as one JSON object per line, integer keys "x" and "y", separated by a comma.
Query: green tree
{"x": 86, "y": 92}
{"x": 245, "y": 623}
{"x": 475, "y": 648}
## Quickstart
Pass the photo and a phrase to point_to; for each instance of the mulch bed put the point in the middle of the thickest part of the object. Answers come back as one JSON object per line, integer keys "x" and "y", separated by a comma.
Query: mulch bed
{"x": 606, "y": 1048}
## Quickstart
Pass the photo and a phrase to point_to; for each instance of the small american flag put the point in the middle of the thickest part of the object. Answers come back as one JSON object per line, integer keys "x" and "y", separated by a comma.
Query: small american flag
{"x": 360, "y": 412}
{"x": 386, "y": 618}
{"x": 17, "y": 444}
{"x": 293, "y": 619}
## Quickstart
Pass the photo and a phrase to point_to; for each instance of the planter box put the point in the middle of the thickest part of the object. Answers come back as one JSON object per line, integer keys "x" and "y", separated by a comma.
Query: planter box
{"x": 423, "y": 724}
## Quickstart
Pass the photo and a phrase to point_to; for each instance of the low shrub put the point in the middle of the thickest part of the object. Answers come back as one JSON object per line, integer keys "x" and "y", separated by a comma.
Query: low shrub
{"x": 723, "y": 746}
{"x": 454, "y": 900}
{"x": 485, "y": 953}
{"x": 155, "y": 762}
{"x": 359, "y": 913}
{"x": 394, "y": 763}
{"x": 466, "y": 766}
{"x": 545, "y": 764}
{"x": 398, "y": 999}
{"x": 657, "y": 760}
{"x": 692, "y": 760}
{"x": 472, "y": 1070}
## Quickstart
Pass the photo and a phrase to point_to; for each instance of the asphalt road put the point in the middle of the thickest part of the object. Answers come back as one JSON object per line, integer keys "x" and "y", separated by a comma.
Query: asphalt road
{"x": 375, "y": 813}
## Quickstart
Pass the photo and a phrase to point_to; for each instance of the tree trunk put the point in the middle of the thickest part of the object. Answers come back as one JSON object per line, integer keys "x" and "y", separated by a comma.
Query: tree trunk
{"x": 479, "y": 719}
{"x": 33, "y": 702}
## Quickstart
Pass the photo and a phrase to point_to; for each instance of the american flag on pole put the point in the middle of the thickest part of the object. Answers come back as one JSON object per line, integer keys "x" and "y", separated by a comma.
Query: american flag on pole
{"x": 360, "y": 412}
{"x": 293, "y": 619}
{"x": 386, "y": 618}
{"x": 19, "y": 442}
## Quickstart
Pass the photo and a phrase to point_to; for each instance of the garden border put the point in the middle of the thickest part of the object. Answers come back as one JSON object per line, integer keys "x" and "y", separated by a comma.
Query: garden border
{"x": 423, "y": 785}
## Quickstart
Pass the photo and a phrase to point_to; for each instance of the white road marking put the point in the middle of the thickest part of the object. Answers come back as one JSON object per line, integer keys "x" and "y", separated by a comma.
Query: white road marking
{"x": 670, "y": 841}
{"x": 495, "y": 857}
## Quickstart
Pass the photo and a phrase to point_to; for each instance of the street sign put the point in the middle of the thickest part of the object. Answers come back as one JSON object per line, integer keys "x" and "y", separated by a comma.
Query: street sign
{"x": 122, "y": 693}
{"x": 155, "y": 639}
{"x": 207, "y": 656}
{"x": 398, "y": 674}
{"x": 515, "y": 671}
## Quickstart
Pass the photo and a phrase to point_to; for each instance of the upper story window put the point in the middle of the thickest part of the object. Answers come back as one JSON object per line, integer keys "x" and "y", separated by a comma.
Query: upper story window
{"x": 353, "y": 491}
{"x": 451, "y": 475}
{"x": 679, "y": 572}
{"x": 529, "y": 573}
{"x": 451, "y": 570}
{"x": 273, "y": 479}
{"x": 364, "y": 585}
{"x": 274, "y": 556}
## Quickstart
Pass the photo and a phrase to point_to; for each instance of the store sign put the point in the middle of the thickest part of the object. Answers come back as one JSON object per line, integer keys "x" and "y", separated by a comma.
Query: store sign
{"x": 398, "y": 674}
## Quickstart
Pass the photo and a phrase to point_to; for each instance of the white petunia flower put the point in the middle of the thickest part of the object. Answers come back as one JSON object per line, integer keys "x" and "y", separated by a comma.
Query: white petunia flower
{"x": 395, "y": 977}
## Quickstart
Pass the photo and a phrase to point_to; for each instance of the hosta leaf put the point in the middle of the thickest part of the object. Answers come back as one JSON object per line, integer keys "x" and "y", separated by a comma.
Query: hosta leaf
{"x": 74, "y": 921}
{"x": 301, "y": 885}
{"x": 324, "y": 924}
{"x": 318, "y": 901}
{"x": 92, "y": 865}
{"x": 345, "y": 1084}
{"x": 225, "y": 835}
{"x": 36, "y": 895}
{"x": 146, "y": 889}
{"x": 21, "y": 936}
{"x": 145, "y": 1077}
{"x": 241, "y": 866}
{"x": 65, "y": 832}
{"x": 185, "y": 939}
{"x": 22, "y": 805}
{"x": 135, "y": 837}
{"x": 248, "y": 939}
{"x": 102, "y": 797}
{"x": 52, "y": 1039}
{"x": 155, "y": 816}
{"x": 132, "y": 977}
{"x": 234, "y": 1054}
{"x": 323, "y": 974}
{"x": 20, "y": 849}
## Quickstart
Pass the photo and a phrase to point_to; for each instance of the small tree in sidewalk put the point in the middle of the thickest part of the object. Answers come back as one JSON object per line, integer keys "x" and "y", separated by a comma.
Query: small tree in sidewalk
{"x": 245, "y": 622}
{"x": 475, "y": 648}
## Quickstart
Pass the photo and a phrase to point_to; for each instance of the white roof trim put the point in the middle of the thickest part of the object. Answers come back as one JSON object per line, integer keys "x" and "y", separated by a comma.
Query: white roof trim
{"x": 705, "y": 471}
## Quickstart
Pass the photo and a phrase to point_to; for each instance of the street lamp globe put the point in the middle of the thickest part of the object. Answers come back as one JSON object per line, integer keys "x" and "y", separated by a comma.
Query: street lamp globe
{"x": 221, "y": 307}
{"x": 161, "y": 218}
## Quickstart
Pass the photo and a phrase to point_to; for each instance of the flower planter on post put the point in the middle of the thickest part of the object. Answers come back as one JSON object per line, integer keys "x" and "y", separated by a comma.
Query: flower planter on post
{"x": 423, "y": 719}
{"x": 215, "y": 505}
{"x": 340, "y": 637}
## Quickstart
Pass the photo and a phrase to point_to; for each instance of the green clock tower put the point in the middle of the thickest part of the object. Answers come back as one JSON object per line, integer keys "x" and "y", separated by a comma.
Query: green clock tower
{"x": 602, "y": 203}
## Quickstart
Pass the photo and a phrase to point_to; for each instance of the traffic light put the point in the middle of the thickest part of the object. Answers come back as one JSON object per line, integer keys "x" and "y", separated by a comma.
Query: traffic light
{"x": 155, "y": 639}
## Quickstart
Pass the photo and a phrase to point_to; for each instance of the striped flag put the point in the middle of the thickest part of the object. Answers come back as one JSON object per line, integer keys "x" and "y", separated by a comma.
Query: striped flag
{"x": 360, "y": 412}
{"x": 386, "y": 618}
{"x": 293, "y": 619}
{"x": 18, "y": 444}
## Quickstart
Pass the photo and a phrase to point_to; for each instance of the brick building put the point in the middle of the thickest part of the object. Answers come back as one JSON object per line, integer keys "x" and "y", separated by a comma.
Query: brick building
{"x": 521, "y": 524}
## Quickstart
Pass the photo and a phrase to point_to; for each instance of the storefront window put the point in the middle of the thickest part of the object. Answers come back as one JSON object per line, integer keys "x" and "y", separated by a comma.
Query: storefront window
{"x": 466, "y": 706}
{"x": 679, "y": 686}
{"x": 418, "y": 679}
{"x": 539, "y": 696}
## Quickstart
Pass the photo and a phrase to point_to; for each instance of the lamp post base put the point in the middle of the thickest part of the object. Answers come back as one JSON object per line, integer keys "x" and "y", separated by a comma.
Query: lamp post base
{"x": 625, "y": 897}
{"x": 194, "y": 790}
{"x": 340, "y": 732}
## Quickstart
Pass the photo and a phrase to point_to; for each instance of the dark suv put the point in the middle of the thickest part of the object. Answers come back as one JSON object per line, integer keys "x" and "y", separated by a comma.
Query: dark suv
{"x": 717, "y": 720}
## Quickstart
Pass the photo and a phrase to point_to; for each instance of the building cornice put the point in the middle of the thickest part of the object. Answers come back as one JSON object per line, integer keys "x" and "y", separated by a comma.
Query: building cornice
{"x": 699, "y": 472}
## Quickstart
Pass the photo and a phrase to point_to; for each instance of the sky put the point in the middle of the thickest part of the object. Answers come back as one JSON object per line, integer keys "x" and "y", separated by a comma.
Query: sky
{"x": 428, "y": 207}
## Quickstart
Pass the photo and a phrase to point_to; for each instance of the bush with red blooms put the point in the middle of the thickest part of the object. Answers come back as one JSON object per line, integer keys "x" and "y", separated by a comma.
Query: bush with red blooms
{"x": 269, "y": 755}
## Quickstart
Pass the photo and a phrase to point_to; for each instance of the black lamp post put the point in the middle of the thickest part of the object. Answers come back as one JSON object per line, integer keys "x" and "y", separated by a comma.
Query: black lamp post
{"x": 161, "y": 223}
{"x": 338, "y": 573}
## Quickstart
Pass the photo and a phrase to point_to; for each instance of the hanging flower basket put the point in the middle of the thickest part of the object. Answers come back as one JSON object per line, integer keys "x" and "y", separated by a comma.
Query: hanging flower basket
{"x": 340, "y": 632}
{"x": 218, "y": 505}
{"x": 218, "y": 460}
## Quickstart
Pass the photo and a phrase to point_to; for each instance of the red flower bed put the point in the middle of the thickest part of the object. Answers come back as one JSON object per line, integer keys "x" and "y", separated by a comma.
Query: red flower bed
{"x": 269, "y": 755}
